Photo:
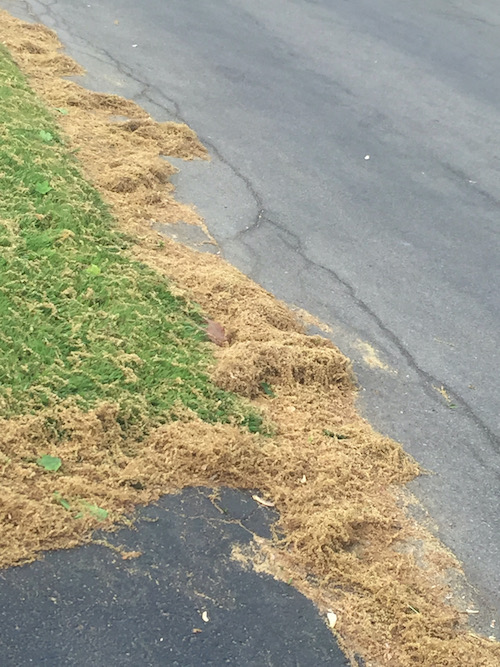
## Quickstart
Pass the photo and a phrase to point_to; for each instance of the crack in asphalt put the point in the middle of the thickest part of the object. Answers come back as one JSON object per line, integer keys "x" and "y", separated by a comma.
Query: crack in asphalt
{"x": 148, "y": 92}
{"x": 429, "y": 379}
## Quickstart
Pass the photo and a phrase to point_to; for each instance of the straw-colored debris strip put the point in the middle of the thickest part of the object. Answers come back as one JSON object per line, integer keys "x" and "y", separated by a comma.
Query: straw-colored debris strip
{"x": 331, "y": 477}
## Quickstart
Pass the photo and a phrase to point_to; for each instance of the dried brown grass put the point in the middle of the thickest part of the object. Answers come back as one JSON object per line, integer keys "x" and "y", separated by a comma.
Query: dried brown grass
{"x": 339, "y": 514}
{"x": 133, "y": 147}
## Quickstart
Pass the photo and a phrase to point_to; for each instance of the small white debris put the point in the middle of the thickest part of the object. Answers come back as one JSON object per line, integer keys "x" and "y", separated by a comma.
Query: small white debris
{"x": 204, "y": 617}
{"x": 472, "y": 611}
{"x": 367, "y": 157}
{"x": 134, "y": 46}
{"x": 303, "y": 480}
{"x": 332, "y": 618}
{"x": 263, "y": 501}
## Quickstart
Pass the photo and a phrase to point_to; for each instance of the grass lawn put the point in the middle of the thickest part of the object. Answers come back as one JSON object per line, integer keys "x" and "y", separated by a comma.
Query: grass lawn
{"x": 79, "y": 320}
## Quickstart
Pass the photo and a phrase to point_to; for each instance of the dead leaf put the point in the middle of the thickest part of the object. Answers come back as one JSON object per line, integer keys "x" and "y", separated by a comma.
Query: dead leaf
{"x": 263, "y": 501}
{"x": 332, "y": 618}
{"x": 216, "y": 333}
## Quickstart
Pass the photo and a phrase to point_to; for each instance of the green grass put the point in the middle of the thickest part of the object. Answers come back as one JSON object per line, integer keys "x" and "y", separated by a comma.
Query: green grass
{"x": 78, "y": 319}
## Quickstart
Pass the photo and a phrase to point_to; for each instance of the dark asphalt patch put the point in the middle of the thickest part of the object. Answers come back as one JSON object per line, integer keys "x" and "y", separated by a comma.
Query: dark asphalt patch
{"x": 90, "y": 606}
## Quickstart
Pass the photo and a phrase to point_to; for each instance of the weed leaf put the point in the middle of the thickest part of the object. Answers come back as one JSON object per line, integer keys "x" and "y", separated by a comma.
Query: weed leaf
{"x": 267, "y": 389}
{"x": 93, "y": 270}
{"x": 46, "y": 136}
{"x": 43, "y": 187}
{"x": 61, "y": 501}
{"x": 51, "y": 463}
{"x": 98, "y": 512}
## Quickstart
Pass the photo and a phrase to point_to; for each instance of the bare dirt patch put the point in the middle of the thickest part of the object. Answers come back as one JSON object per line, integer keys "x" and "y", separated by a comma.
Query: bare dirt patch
{"x": 331, "y": 477}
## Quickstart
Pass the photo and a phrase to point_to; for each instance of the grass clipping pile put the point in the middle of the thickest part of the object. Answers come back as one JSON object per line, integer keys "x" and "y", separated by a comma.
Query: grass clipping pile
{"x": 331, "y": 477}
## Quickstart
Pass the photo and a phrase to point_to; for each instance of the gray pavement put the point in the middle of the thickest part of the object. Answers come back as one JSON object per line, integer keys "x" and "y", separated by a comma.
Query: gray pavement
{"x": 355, "y": 173}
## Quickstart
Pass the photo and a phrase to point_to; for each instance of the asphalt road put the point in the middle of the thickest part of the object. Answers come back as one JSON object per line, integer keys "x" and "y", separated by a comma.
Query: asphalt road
{"x": 355, "y": 173}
